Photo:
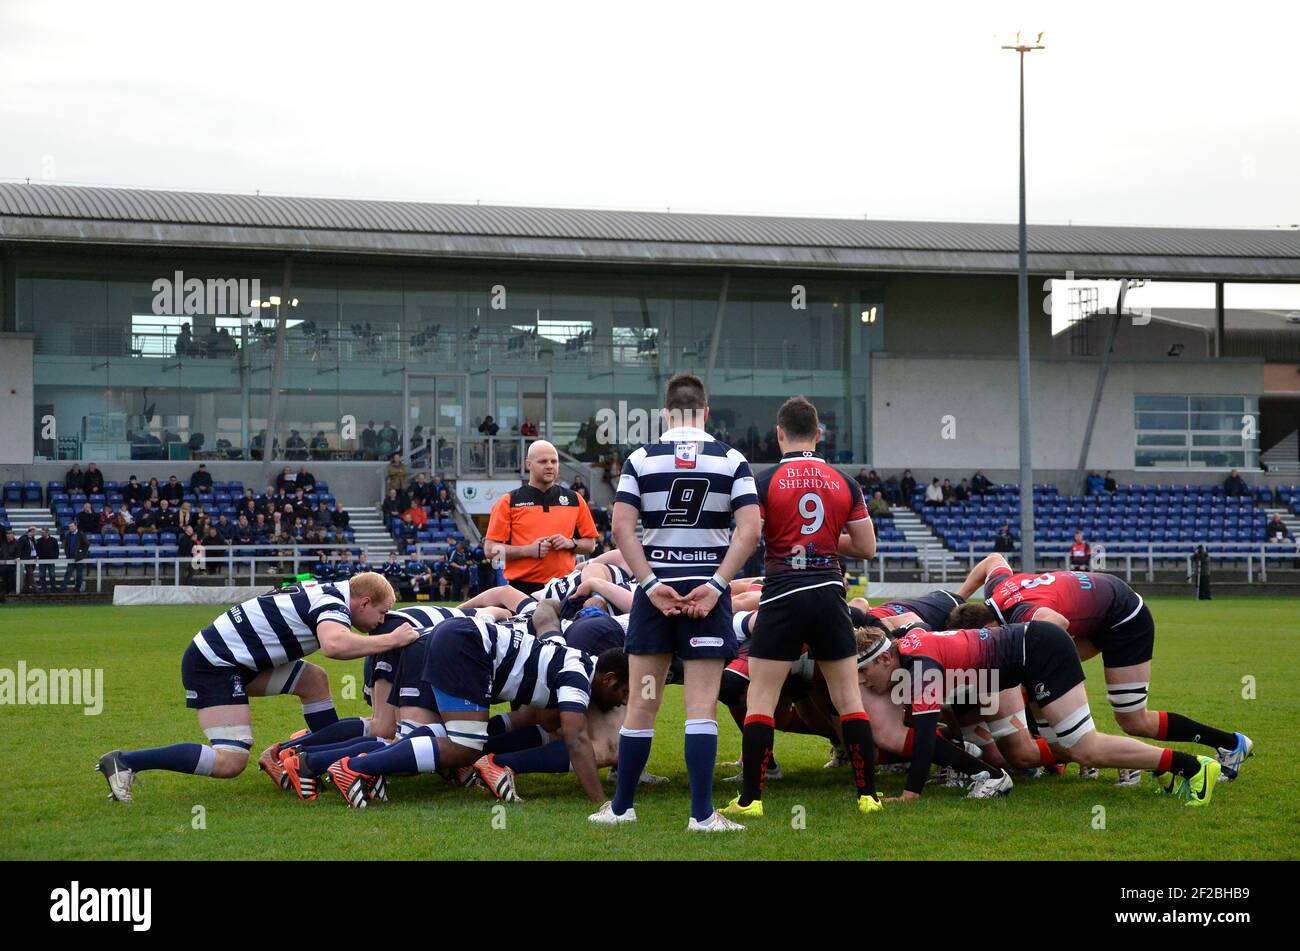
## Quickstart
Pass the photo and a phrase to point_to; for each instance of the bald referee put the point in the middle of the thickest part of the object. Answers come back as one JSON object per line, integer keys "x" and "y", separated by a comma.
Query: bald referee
{"x": 541, "y": 526}
{"x": 686, "y": 489}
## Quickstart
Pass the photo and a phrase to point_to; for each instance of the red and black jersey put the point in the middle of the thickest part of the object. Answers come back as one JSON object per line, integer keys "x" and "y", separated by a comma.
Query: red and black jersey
{"x": 1080, "y": 555}
{"x": 1090, "y": 601}
{"x": 928, "y": 656}
{"x": 806, "y": 503}
{"x": 933, "y": 608}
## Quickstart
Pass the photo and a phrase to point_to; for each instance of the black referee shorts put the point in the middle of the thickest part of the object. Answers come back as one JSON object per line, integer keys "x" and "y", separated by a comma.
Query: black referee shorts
{"x": 811, "y": 618}
{"x": 527, "y": 587}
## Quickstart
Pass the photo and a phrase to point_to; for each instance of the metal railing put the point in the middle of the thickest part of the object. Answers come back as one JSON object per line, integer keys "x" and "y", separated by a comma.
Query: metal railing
{"x": 240, "y": 562}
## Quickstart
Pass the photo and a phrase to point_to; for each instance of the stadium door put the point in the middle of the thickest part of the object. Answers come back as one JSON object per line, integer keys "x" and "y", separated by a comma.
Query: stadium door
{"x": 513, "y": 401}
{"x": 436, "y": 420}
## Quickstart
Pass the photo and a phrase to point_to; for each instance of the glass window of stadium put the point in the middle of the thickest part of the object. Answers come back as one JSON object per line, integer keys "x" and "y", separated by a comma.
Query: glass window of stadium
{"x": 1196, "y": 432}
{"x": 413, "y": 359}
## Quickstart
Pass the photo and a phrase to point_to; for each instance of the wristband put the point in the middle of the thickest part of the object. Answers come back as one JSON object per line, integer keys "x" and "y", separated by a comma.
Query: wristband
{"x": 719, "y": 584}
{"x": 649, "y": 583}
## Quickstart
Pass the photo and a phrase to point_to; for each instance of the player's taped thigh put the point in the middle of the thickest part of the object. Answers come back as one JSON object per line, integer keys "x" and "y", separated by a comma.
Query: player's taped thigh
{"x": 284, "y": 679}
{"x": 1128, "y": 698}
{"x": 972, "y": 733}
{"x": 1001, "y": 728}
{"x": 1073, "y": 727}
{"x": 1046, "y": 733}
{"x": 470, "y": 733}
{"x": 234, "y": 739}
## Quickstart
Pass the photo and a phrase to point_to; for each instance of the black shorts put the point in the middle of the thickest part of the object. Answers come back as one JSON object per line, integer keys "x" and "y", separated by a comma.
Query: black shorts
{"x": 410, "y": 689}
{"x": 527, "y": 587}
{"x": 1052, "y": 668}
{"x": 1130, "y": 640}
{"x": 595, "y": 635}
{"x": 456, "y": 663}
{"x": 207, "y": 685}
{"x": 817, "y": 617}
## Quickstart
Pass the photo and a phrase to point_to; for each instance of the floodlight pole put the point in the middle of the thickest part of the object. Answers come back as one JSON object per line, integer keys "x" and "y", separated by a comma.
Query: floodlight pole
{"x": 1027, "y": 560}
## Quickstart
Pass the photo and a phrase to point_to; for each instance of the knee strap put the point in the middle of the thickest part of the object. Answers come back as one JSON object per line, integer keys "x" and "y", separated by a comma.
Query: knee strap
{"x": 1127, "y": 698}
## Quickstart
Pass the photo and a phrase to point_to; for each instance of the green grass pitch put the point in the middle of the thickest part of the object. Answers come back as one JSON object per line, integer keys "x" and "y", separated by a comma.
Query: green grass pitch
{"x": 55, "y": 807}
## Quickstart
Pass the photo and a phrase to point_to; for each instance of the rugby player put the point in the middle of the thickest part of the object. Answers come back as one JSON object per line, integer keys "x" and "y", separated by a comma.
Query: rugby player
{"x": 685, "y": 489}
{"x": 471, "y": 664}
{"x": 811, "y": 515}
{"x": 1039, "y": 655}
{"x": 1103, "y": 615}
{"x": 257, "y": 649}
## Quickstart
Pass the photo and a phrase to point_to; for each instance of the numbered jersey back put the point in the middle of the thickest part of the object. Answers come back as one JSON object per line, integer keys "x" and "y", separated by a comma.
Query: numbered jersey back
{"x": 806, "y": 504}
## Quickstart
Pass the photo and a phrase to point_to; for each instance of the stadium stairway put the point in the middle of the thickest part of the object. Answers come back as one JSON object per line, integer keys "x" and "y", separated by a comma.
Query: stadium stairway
{"x": 372, "y": 537}
{"x": 20, "y": 519}
{"x": 922, "y": 536}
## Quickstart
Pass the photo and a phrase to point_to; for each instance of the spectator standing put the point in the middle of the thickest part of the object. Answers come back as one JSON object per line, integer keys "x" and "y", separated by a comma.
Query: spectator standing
{"x": 1005, "y": 542}
{"x": 47, "y": 550}
{"x": 489, "y": 426}
{"x": 1096, "y": 484}
{"x": 396, "y": 473}
{"x": 8, "y": 562}
{"x": 388, "y": 439}
{"x": 979, "y": 483}
{"x": 29, "y": 551}
{"x": 370, "y": 442}
{"x": 76, "y": 546}
{"x": 528, "y": 428}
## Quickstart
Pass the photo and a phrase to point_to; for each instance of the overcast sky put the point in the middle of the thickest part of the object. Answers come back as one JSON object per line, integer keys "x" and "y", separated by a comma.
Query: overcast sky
{"x": 1139, "y": 113}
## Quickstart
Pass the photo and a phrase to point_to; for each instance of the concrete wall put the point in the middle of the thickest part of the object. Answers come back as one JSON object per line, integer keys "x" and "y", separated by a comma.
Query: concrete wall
{"x": 912, "y": 396}
{"x": 16, "y": 393}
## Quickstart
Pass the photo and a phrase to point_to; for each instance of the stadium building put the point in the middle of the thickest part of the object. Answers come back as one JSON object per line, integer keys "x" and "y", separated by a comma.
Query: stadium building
{"x": 142, "y": 325}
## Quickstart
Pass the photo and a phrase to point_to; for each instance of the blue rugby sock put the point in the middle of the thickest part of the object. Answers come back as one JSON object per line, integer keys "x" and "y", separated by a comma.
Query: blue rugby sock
{"x": 350, "y": 728}
{"x": 418, "y": 753}
{"x": 701, "y": 754}
{"x": 319, "y": 714}
{"x": 551, "y": 758}
{"x": 516, "y": 740}
{"x": 181, "y": 758}
{"x": 320, "y": 758}
{"x": 633, "y": 754}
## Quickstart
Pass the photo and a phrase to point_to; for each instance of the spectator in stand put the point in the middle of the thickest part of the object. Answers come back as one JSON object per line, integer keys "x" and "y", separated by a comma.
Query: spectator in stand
{"x": 439, "y": 483}
{"x": 86, "y": 519}
{"x": 304, "y": 479}
{"x": 8, "y": 561}
{"x": 74, "y": 480}
{"x": 946, "y": 489}
{"x": 396, "y": 473}
{"x": 147, "y": 520}
{"x": 133, "y": 493}
{"x": 907, "y": 485}
{"x": 406, "y": 535}
{"x": 322, "y": 570}
{"x": 225, "y": 528}
{"x": 934, "y": 494}
{"x": 458, "y": 570}
{"x": 77, "y": 546}
{"x": 322, "y": 515}
{"x": 393, "y": 568}
{"x": 370, "y": 441}
{"x": 360, "y": 563}
{"x": 184, "y": 516}
{"x": 873, "y": 484}
{"x": 1235, "y": 485}
{"x": 123, "y": 520}
{"x": 420, "y": 491}
{"x": 389, "y": 439}
{"x": 1109, "y": 485}
{"x": 443, "y": 507}
{"x": 166, "y": 517}
{"x": 201, "y": 479}
{"x": 1276, "y": 530}
{"x": 442, "y": 587}
{"x": 243, "y": 532}
{"x": 528, "y": 428}
{"x": 861, "y": 479}
{"x": 979, "y": 483}
{"x": 295, "y": 446}
{"x": 94, "y": 482}
{"x": 153, "y": 492}
{"x": 418, "y": 577}
{"x": 320, "y": 447}
{"x": 394, "y": 505}
{"x": 341, "y": 517}
{"x": 286, "y": 480}
{"x": 878, "y": 507}
{"x": 47, "y": 549}
{"x": 301, "y": 505}
{"x": 893, "y": 492}
{"x": 261, "y": 528}
{"x": 175, "y": 491}
{"x": 416, "y": 514}
{"x": 343, "y": 567}
{"x": 29, "y": 551}
{"x": 579, "y": 486}
{"x": 962, "y": 492}
{"x": 1005, "y": 542}
{"x": 489, "y": 426}
{"x": 266, "y": 501}
{"x": 1096, "y": 484}
{"x": 1080, "y": 554}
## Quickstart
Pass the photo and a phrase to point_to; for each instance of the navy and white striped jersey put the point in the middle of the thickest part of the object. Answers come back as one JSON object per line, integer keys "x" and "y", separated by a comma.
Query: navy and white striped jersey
{"x": 558, "y": 589}
{"x": 421, "y": 618}
{"x": 686, "y": 487}
{"x": 263, "y": 633}
{"x": 535, "y": 672}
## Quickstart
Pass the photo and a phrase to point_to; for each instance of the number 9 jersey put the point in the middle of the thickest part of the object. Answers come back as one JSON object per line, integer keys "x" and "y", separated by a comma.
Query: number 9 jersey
{"x": 806, "y": 504}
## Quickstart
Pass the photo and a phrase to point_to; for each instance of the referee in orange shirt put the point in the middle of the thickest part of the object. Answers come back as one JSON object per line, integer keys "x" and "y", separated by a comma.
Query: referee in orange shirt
{"x": 540, "y": 527}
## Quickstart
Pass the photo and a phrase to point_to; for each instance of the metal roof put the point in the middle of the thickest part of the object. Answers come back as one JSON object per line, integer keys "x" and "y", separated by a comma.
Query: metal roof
{"x": 114, "y": 216}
